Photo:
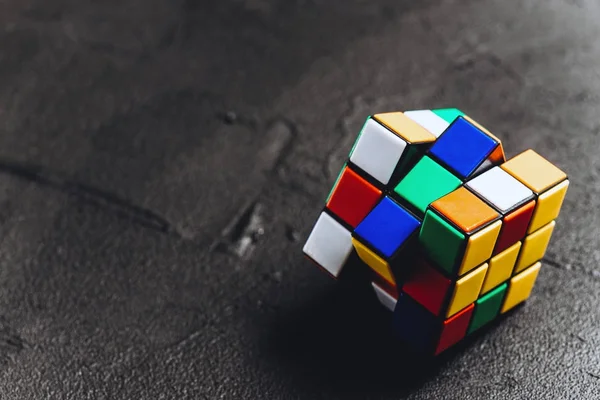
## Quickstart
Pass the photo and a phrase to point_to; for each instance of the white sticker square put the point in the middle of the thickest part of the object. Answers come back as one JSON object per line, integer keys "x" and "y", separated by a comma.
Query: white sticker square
{"x": 500, "y": 188}
{"x": 329, "y": 244}
{"x": 378, "y": 151}
{"x": 428, "y": 120}
{"x": 384, "y": 297}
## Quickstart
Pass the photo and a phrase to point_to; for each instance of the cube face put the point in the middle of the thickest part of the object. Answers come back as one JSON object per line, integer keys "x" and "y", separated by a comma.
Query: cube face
{"x": 425, "y": 183}
{"x": 450, "y": 233}
{"x": 352, "y": 197}
{"x": 463, "y": 148}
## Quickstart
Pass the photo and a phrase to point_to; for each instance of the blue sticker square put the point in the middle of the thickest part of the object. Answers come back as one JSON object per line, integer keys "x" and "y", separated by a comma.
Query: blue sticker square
{"x": 463, "y": 147}
{"x": 387, "y": 226}
{"x": 413, "y": 324}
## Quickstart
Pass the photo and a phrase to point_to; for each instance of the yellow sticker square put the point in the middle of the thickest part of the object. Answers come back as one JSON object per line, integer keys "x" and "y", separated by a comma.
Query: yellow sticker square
{"x": 520, "y": 286}
{"x": 534, "y": 247}
{"x": 405, "y": 127}
{"x": 377, "y": 264}
{"x": 501, "y": 267}
{"x": 534, "y": 171}
{"x": 548, "y": 206}
{"x": 480, "y": 247}
{"x": 466, "y": 290}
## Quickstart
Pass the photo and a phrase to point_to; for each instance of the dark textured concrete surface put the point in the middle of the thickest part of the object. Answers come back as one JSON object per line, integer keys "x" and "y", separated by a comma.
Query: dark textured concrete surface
{"x": 162, "y": 162}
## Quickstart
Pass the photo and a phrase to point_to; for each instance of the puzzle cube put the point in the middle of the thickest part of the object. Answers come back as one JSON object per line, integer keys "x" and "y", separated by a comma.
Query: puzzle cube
{"x": 451, "y": 233}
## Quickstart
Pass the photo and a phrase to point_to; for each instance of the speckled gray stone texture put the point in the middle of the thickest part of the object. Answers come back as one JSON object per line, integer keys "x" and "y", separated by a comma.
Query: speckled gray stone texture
{"x": 162, "y": 162}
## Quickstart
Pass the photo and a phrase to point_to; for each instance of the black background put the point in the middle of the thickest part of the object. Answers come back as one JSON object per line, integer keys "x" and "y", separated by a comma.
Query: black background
{"x": 162, "y": 162}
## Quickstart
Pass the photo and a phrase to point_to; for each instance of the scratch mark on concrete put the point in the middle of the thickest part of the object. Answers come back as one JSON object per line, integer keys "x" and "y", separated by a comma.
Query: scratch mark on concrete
{"x": 244, "y": 231}
{"x": 11, "y": 343}
{"x": 88, "y": 194}
{"x": 578, "y": 337}
{"x": 593, "y": 375}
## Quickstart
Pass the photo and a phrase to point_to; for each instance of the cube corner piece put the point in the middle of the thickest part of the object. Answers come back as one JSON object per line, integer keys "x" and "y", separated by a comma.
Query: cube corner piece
{"x": 548, "y": 182}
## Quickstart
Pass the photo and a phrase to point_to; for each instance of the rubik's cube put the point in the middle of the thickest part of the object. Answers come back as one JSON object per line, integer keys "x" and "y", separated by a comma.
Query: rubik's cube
{"x": 451, "y": 233}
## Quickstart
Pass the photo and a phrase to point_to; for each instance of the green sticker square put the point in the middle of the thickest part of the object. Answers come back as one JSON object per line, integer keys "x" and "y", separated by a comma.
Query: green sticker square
{"x": 425, "y": 183}
{"x": 359, "y": 135}
{"x": 441, "y": 241}
{"x": 335, "y": 184}
{"x": 487, "y": 307}
{"x": 448, "y": 114}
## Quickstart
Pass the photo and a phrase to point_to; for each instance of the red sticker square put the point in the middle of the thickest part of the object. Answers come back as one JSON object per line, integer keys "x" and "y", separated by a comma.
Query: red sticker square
{"x": 514, "y": 226}
{"x": 353, "y": 198}
{"x": 454, "y": 329}
{"x": 427, "y": 286}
